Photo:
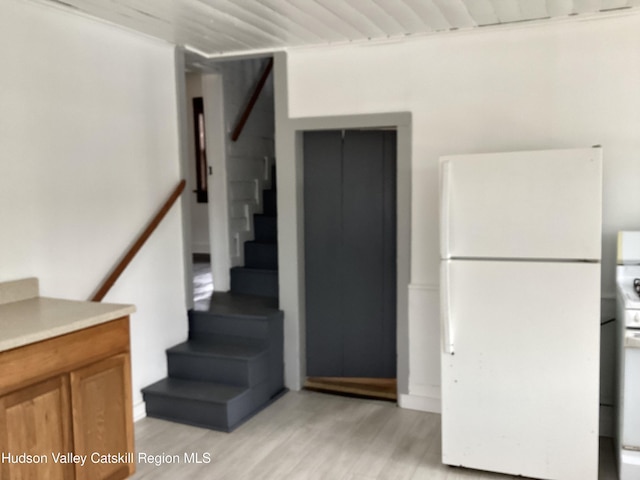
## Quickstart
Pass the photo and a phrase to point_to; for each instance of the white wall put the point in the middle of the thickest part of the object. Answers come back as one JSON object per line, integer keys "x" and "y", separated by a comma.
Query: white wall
{"x": 88, "y": 153}
{"x": 558, "y": 85}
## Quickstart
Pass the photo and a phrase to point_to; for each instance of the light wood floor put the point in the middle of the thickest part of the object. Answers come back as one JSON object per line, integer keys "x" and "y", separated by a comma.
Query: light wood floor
{"x": 309, "y": 435}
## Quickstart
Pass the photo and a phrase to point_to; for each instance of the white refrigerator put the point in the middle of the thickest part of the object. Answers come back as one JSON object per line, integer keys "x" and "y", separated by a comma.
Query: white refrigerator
{"x": 520, "y": 312}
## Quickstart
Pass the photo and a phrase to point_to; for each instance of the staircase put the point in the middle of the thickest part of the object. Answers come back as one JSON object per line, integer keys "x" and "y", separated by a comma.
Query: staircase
{"x": 259, "y": 276}
{"x": 231, "y": 366}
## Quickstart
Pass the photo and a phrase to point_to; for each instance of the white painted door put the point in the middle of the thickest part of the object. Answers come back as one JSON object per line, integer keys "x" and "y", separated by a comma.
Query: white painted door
{"x": 520, "y": 388}
{"x": 538, "y": 204}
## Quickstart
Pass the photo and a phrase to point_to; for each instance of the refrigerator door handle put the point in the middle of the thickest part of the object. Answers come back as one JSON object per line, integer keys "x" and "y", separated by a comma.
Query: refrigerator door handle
{"x": 445, "y": 310}
{"x": 445, "y": 196}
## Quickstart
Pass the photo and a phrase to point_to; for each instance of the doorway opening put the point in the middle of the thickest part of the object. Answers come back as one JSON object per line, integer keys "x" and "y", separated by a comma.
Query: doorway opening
{"x": 197, "y": 162}
{"x": 233, "y": 229}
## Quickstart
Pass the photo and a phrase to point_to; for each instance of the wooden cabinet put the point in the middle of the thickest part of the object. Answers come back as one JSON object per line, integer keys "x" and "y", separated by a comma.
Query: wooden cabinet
{"x": 35, "y": 421}
{"x": 69, "y": 395}
{"x": 101, "y": 417}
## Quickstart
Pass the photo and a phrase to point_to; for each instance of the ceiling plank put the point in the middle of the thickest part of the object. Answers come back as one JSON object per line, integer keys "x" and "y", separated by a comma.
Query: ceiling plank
{"x": 455, "y": 11}
{"x": 613, "y": 4}
{"x": 559, "y": 8}
{"x": 586, "y": 6}
{"x": 483, "y": 12}
{"x": 215, "y": 15}
{"x": 155, "y": 10}
{"x": 329, "y": 18}
{"x": 190, "y": 24}
{"x": 508, "y": 11}
{"x": 409, "y": 21}
{"x": 533, "y": 9}
{"x": 151, "y": 21}
{"x": 209, "y": 12}
{"x": 126, "y": 17}
{"x": 380, "y": 17}
{"x": 297, "y": 15}
{"x": 250, "y": 17}
{"x": 354, "y": 16}
{"x": 224, "y": 26}
{"x": 326, "y": 21}
{"x": 279, "y": 20}
{"x": 430, "y": 14}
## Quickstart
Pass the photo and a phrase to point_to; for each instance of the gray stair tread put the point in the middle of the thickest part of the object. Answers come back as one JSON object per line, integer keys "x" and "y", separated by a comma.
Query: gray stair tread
{"x": 225, "y": 303}
{"x": 194, "y": 390}
{"x": 228, "y": 350}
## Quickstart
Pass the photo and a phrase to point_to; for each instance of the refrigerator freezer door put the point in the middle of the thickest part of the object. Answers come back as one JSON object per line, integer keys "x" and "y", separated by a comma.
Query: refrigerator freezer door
{"x": 540, "y": 205}
{"x": 520, "y": 394}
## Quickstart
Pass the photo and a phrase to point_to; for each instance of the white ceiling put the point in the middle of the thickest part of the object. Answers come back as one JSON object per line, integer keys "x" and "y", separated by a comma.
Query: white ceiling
{"x": 247, "y": 27}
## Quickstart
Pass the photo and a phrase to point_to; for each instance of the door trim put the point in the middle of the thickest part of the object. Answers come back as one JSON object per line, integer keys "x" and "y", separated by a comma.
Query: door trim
{"x": 291, "y": 229}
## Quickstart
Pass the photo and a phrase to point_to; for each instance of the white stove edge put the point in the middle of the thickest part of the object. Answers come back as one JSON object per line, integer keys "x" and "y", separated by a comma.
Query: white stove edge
{"x": 628, "y": 313}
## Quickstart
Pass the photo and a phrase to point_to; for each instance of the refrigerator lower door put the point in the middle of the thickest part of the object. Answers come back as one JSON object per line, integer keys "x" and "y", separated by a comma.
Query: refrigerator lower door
{"x": 520, "y": 393}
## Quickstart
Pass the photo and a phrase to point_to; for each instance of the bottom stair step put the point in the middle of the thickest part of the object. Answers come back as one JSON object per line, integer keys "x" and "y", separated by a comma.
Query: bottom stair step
{"x": 204, "y": 404}
{"x": 229, "y": 362}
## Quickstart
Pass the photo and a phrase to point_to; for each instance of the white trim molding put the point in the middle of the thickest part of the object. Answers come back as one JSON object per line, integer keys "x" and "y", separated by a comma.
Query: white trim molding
{"x": 420, "y": 403}
{"x": 139, "y": 411}
{"x": 424, "y": 287}
{"x": 424, "y": 339}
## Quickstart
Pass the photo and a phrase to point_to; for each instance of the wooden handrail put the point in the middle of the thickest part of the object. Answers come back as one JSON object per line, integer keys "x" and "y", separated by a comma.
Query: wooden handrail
{"x": 115, "y": 274}
{"x": 252, "y": 101}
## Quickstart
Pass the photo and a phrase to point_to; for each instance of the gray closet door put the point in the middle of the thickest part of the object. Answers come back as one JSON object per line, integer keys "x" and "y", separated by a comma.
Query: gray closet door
{"x": 350, "y": 253}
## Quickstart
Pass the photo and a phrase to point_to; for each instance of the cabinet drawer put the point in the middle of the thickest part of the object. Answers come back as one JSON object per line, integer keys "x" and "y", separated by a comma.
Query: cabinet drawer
{"x": 38, "y": 361}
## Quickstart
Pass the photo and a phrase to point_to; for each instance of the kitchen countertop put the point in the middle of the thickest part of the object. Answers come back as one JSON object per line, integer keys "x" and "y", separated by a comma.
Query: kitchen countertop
{"x": 34, "y": 318}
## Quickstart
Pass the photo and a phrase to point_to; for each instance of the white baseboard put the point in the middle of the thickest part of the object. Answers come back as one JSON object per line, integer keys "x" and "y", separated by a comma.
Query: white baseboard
{"x": 416, "y": 402}
{"x": 139, "y": 411}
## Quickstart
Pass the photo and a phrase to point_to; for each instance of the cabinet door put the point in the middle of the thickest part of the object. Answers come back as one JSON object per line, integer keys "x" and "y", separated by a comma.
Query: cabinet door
{"x": 35, "y": 421}
{"x": 102, "y": 418}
